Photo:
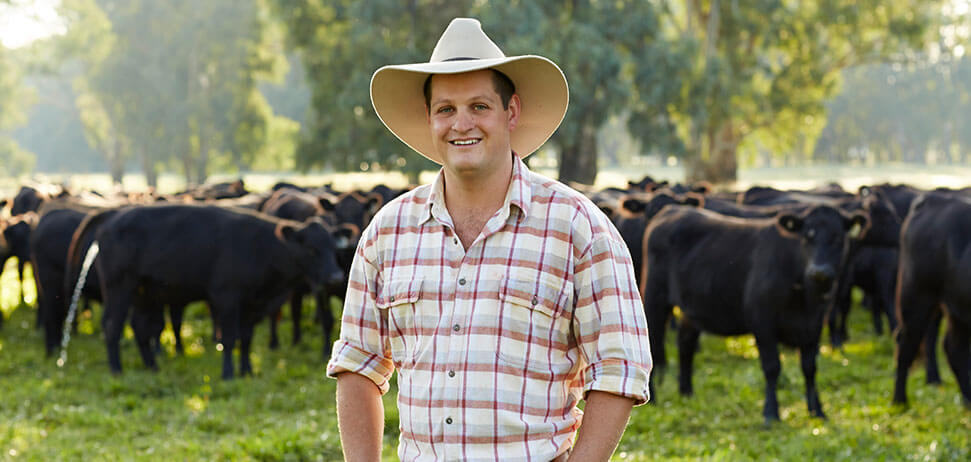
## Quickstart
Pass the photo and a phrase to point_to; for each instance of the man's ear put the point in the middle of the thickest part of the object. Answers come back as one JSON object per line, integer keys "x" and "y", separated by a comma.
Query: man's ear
{"x": 515, "y": 106}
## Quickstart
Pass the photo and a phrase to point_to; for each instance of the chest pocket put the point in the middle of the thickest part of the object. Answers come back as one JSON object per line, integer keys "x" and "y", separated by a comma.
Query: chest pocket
{"x": 399, "y": 302}
{"x": 535, "y": 329}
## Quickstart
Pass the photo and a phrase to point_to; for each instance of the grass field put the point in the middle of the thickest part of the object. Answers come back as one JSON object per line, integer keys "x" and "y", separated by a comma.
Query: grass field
{"x": 286, "y": 411}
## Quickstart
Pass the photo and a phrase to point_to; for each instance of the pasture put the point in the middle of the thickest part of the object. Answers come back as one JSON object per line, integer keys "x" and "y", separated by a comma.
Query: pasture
{"x": 286, "y": 411}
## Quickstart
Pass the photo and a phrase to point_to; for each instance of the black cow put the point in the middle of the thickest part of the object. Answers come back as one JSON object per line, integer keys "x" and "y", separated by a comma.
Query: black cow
{"x": 16, "y": 233}
{"x": 872, "y": 266}
{"x": 635, "y": 212}
{"x": 935, "y": 267}
{"x": 733, "y": 276}
{"x": 244, "y": 264}
{"x": 49, "y": 245}
{"x": 300, "y": 206}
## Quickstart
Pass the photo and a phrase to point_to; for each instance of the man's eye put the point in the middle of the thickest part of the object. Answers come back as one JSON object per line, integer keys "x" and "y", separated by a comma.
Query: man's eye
{"x": 480, "y": 107}
{"x": 444, "y": 109}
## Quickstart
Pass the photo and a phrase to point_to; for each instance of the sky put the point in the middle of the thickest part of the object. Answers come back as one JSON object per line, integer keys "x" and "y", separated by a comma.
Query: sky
{"x": 23, "y": 21}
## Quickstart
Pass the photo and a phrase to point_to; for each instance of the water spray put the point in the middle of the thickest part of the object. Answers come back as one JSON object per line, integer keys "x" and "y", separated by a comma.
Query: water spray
{"x": 75, "y": 297}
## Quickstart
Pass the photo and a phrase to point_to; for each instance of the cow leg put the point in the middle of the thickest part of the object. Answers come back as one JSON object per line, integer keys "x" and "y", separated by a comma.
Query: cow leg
{"x": 916, "y": 309}
{"x": 657, "y": 310}
{"x": 931, "y": 337}
{"x": 840, "y": 310}
{"x": 176, "y": 314}
{"x": 117, "y": 305}
{"x": 296, "y": 315}
{"x": 883, "y": 296}
{"x": 956, "y": 349}
{"x": 229, "y": 320}
{"x": 807, "y": 359}
{"x": 687, "y": 346}
{"x": 245, "y": 342}
{"x": 275, "y": 315}
{"x": 771, "y": 367}
{"x": 144, "y": 322}
{"x": 326, "y": 320}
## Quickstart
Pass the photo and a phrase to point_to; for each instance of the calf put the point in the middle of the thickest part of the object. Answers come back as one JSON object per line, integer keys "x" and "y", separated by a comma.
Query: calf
{"x": 732, "y": 276}
{"x": 933, "y": 275}
{"x": 243, "y": 264}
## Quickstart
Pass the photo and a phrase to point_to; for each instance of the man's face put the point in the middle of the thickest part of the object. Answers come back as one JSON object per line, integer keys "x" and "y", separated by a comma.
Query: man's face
{"x": 469, "y": 126}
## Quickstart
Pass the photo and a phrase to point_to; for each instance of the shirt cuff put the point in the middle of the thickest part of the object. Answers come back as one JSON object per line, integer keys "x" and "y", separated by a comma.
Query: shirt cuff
{"x": 619, "y": 377}
{"x": 348, "y": 358}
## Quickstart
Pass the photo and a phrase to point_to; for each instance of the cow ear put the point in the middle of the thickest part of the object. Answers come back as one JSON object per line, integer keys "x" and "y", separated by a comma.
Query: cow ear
{"x": 607, "y": 210}
{"x": 856, "y": 226}
{"x": 790, "y": 223}
{"x": 326, "y": 203}
{"x": 694, "y": 200}
{"x": 632, "y": 205}
{"x": 286, "y": 232}
{"x": 3, "y": 203}
{"x": 344, "y": 235}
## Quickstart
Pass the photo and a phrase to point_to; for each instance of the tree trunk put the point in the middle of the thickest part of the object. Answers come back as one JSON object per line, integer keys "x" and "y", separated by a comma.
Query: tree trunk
{"x": 116, "y": 163}
{"x": 202, "y": 162}
{"x": 720, "y": 166}
{"x": 578, "y": 159}
{"x": 151, "y": 175}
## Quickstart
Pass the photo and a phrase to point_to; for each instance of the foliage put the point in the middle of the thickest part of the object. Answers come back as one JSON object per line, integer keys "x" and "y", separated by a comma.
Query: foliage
{"x": 762, "y": 68}
{"x": 287, "y": 412}
{"x": 902, "y": 113}
{"x": 14, "y": 100}
{"x": 173, "y": 83}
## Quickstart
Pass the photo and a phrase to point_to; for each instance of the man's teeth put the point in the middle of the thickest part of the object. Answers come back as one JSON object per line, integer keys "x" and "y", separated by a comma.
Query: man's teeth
{"x": 464, "y": 142}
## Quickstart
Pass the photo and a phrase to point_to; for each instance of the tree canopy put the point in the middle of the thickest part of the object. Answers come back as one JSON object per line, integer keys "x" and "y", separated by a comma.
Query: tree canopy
{"x": 204, "y": 87}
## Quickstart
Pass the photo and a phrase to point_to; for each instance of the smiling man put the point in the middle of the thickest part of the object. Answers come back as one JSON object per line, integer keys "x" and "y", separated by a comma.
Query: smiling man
{"x": 501, "y": 297}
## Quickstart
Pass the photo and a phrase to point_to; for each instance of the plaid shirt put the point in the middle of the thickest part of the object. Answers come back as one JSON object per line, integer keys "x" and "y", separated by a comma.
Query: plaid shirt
{"x": 494, "y": 345}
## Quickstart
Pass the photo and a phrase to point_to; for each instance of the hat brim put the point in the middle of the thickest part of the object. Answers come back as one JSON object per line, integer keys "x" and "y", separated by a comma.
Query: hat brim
{"x": 399, "y": 101}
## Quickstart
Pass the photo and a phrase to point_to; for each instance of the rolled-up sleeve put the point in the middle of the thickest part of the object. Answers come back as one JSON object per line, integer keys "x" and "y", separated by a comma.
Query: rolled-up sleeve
{"x": 609, "y": 319}
{"x": 363, "y": 345}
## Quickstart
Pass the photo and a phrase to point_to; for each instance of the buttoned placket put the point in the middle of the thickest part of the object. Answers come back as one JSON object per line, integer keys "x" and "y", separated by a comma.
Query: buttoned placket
{"x": 456, "y": 325}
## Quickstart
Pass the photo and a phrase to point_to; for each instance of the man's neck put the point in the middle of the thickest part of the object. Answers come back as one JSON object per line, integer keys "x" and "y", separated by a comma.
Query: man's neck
{"x": 481, "y": 194}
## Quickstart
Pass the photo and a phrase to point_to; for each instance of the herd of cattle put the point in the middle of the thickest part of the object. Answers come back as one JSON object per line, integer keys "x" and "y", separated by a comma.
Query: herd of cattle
{"x": 775, "y": 264}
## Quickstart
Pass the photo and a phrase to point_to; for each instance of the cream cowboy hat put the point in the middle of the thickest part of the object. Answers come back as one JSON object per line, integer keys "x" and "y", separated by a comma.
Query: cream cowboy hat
{"x": 398, "y": 98}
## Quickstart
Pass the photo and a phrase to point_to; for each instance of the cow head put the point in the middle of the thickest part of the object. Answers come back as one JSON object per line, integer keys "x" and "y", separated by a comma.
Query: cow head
{"x": 885, "y": 223}
{"x": 825, "y": 234}
{"x": 314, "y": 251}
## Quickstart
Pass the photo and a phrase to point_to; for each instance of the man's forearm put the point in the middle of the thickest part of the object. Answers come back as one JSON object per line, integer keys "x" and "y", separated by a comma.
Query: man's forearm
{"x": 604, "y": 419}
{"x": 360, "y": 417}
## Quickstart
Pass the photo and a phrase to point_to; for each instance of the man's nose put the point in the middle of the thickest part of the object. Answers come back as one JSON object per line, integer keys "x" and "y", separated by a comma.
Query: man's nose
{"x": 463, "y": 121}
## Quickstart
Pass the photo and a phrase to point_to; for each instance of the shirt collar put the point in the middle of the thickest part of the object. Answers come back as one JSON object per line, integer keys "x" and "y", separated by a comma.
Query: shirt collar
{"x": 518, "y": 194}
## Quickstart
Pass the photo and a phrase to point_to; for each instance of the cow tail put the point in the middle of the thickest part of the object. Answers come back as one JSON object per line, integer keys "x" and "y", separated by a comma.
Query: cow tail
{"x": 80, "y": 242}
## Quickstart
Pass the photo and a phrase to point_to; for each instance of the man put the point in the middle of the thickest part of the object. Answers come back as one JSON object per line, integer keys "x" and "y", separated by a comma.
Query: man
{"x": 501, "y": 297}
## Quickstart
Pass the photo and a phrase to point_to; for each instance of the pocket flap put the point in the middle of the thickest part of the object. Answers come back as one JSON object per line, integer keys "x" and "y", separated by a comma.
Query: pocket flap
{"x": 398, "y": 292}
{"x": 537, "y": 296}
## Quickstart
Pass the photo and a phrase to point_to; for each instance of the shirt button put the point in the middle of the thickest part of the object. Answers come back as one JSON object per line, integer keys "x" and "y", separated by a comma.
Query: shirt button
{"x": 455, "y": 240}
{"x": 462, "y": 281}
{"x": 448, "y": 420}
{"x": 456, "y": 328}
{"x": 392, "y": 299}
{"x": 451, "y": 373}
{"x": 534, "y": 301}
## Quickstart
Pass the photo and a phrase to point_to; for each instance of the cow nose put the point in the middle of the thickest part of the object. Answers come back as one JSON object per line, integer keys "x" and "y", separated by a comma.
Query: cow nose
{"x": 821, "y": 274}
{"x": 335, "y": 277}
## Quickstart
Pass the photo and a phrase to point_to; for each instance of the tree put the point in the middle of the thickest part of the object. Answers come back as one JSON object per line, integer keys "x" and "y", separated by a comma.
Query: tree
{"x": 342, "y": 43}
{"x": 175, "y": 82}
{"x": 14, "y": 100}
{"x": 764, "y": 67}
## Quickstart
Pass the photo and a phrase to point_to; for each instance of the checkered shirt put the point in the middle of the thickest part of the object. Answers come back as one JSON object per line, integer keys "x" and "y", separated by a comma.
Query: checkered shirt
{"x": 494, "y": 345}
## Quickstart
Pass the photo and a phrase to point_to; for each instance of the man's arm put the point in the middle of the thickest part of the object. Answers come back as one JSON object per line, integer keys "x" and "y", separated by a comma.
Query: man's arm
{"x": 604, "y": 419}
{"x": 360, "y": 417}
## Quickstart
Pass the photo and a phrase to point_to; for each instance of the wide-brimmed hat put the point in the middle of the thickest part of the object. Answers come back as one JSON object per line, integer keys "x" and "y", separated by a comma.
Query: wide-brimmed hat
{"x": 399, "y": 100}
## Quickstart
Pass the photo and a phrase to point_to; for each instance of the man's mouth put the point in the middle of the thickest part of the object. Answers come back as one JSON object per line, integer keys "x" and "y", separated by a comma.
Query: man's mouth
{"x": 464, "y": 142}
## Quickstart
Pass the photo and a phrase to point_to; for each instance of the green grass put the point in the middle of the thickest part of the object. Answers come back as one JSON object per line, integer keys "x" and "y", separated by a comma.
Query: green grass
{"x": 287, "y": 412}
